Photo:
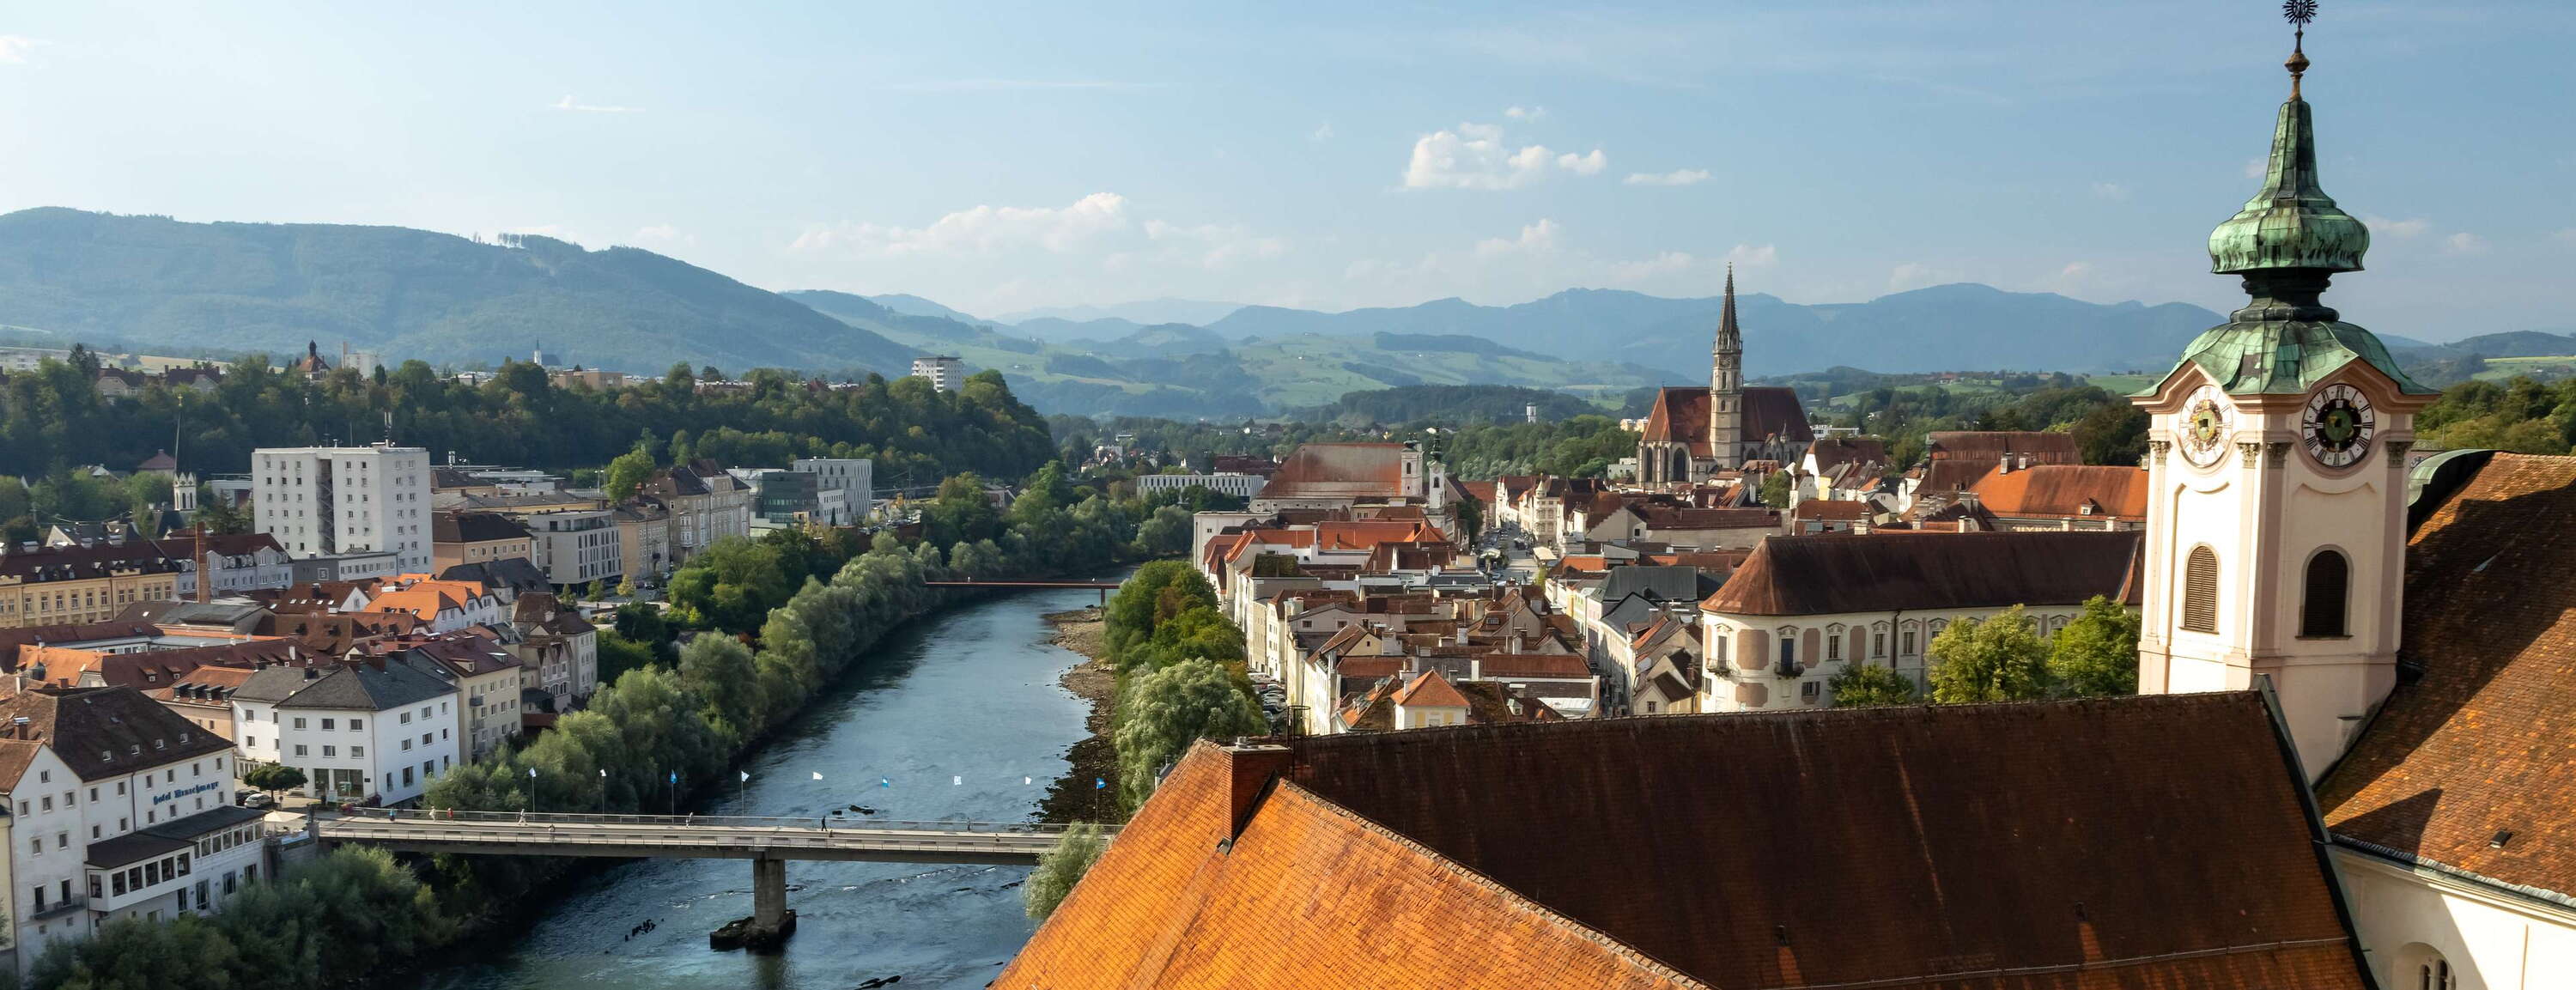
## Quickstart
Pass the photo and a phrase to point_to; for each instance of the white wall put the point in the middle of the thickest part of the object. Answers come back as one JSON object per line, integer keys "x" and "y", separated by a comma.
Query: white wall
{"x": 2492, "y": 940}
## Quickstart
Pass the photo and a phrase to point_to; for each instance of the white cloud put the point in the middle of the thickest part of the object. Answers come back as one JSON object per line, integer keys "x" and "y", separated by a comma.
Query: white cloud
{"x": 568, "y": 103}
{"x": 2258, "y": 167}
{"x": 662, "y": 233}
{"x": 1001, "y": 85}
{"x": 1536, "y": 238}
{"x": 2464, "y": 243}
{"x": 1748, "y": 256}
{"x": 1525, "y": 113}
{"x": 2396, "y": 229}
{"x": 2567, "y": 234}
{"x": 2075, "y": 270}
{"x": 2110, "y": 190}
{"x": 1323, "y": 132}
{"x": 1676, "y": 177}
{"x": 981, "y": 230}
{"x": 1475, "y": 157}
{"x": 14, "y": 48}
{"x": 1916, "y": 275}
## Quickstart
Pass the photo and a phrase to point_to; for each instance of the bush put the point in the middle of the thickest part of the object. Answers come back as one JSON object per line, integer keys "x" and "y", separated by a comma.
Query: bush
{"x": 1862, "y": 686}
{"x": 2000, "y": 658}
{"x": 336, "y": 920}
{"x": 1062, "y": 867}
{"x": 1163, "y": 711}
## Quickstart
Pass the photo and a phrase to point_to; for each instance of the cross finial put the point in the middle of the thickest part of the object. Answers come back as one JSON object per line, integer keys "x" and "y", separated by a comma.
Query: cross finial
{"x": 2298, "y": 13}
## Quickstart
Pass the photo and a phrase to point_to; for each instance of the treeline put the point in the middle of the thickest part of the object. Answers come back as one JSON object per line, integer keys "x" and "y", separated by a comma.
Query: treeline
{"x": 1453, "y": 404}
{"x": 1580, "y": 447}
{"x": 1180, "y": 671}
{"x": 2006, "y": 657}
{"x": 332, "y": 922}
{"x": 2107, "y": 429}
{"x": 52, "y": 420}
{"x": 2522, "y": 416}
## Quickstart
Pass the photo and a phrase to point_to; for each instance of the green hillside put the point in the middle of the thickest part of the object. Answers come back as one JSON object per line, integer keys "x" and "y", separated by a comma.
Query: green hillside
{"x": 403, "y": 294}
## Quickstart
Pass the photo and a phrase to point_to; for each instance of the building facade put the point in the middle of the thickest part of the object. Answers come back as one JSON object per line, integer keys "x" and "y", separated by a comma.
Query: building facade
{"x": 853, "y": 477}
{"x": 375, "y": 731}
{"x": 325, "y": 501}
{"x": 577, "y": 546}
{"x": 945, "y": 372}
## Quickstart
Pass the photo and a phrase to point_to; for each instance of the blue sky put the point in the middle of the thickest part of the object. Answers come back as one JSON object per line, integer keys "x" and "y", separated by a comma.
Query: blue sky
{"x": 1336, "y": 155}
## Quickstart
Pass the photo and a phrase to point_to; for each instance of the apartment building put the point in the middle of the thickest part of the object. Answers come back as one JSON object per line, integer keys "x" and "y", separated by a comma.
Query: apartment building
{"x": 328, "y": 501}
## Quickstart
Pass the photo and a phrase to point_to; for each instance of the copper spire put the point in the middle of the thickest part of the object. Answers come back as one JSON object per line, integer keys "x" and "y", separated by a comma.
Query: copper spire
{"x": 2299, "y": 13}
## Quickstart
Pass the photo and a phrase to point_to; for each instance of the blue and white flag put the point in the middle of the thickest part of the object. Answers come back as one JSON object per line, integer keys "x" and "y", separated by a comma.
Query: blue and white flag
{"x": 1097, "y": 783}
{"x": 746, "y": 776}
{"x": 885, "y": 782}
{"x": 818, "y": 775}
{"x": 532, "y": 773}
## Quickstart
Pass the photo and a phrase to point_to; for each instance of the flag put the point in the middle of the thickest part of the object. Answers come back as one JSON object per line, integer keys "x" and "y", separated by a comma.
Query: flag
{"x": 885, "y": 782}
{"x": 603, "y": 773}
{"x": 818, "y": 775}
{"x": 1024, "y": 781}
{"x": 675, "y": 776}
{"x": 956, "y": 781}
{"x": 532, "y": 773}
{"x": 746, "y": 775}
{"x": 1097, "y": 783}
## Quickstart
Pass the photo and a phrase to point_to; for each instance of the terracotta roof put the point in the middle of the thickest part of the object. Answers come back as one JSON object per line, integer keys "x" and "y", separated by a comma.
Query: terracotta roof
{"x": 1481, "y": 491}
{"x": 1506, "y": 666}
{"x": 2075, "y": 491}
{"x": 1339, "y": 470}
{"x": 2480, "y": 743}
{"x": 100, "y": 732}
{"x": 1306, "y": 895}
{"x": 1858, "y": 452}
{"x": 1828, "y": 575}
{"x": 1834, "y": 510}
{"x": 1968, "y": 845}
{"x": 1666, "y": 517}
{"x": 1679, "y": 415}
{"x": 1952, "y": 476}
{"x": 1430, "y": 691}
{"x": 1991, "y": 445}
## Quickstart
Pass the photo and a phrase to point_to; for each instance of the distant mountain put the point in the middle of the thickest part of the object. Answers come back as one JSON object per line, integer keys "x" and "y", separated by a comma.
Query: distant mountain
{"x": 2519, "y": 343}
{"x": 911, "y": 305}
{"x": 403, "y": 294}
{"x": 1052, "y": 328}
{"x": 1142, "y": 313}
{"x": 1941, "y": 328}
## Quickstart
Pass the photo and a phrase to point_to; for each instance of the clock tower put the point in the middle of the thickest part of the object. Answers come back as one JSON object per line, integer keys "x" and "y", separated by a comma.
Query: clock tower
{"x": 2276, "y": 519}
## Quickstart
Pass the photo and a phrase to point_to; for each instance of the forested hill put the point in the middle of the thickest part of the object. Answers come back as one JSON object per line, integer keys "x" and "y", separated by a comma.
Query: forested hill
{"x": 402, "y": 293}
{"x": 1456, "y": 404}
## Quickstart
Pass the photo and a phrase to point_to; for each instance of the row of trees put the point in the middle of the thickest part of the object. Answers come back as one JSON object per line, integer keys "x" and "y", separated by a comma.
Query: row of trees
{"x": 2006, "y": 657}
{"x": 53, "y": 419}
{"x": 2107, "y": 429}
{"x": 2522, "y": 415}
{"x": 331, "y": 922}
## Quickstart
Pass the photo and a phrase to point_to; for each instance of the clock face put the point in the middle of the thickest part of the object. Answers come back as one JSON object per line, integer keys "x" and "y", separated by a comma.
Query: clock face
{"x": 1726, "y": 360}
{"x": 2207, "y": 419}
{"x": 2338, "y": 425}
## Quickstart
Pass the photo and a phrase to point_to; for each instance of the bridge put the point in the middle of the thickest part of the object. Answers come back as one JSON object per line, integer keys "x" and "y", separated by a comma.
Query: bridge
{"x": 768, "y": 841}
{"x": 1104, "y": 587}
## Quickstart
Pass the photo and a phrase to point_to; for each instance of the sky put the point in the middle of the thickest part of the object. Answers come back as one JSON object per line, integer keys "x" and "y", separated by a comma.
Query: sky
{"x": 997, "y": 158}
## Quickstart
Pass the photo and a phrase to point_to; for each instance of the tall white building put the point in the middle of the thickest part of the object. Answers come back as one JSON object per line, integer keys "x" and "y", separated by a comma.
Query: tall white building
{"x": 944, "y": 371}
{"x": 855, "y": 477}
{"x": 116, "y": 808}
{"x": 327, "y": 501}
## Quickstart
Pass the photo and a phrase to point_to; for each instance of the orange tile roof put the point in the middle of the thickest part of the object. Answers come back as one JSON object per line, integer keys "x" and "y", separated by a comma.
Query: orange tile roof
{"x": 2110, "y": 492}
{"x": 1431, "y": 691}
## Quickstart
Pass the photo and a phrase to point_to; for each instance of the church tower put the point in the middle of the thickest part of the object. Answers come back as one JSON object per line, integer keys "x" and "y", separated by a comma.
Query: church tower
{"x": 1726, "y": 386}
{"x": 2276, "y": 520}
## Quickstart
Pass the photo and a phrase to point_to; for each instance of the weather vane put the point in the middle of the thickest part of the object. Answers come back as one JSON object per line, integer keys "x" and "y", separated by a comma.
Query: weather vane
{"x": 2299, "y": 13}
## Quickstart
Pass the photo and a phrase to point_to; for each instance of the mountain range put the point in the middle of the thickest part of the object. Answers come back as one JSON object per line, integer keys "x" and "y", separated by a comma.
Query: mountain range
{"x": 142, "y": 281}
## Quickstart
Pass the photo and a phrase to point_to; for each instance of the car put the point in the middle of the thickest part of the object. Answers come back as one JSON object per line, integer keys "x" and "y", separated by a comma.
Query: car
{"x": 253, "y": 799}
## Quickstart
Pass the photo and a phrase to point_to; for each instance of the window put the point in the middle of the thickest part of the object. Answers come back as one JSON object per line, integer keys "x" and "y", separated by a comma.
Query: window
{"x": 357, "y": 725}
{"x": 1788, "y": 654}
{"x": 1906, "y": 643}
{"x": 329, "y": 750}
{"x": 2434, "y": 975}
{"x": 2321, "y": 613}
{"x": 1833, "y": 646}
{"x": 326, "y": 725}
{"x": 357, "y": 752}
{"x": 1878, "y": 644}
{"x": 2200, "y": 591}
{"x": 300, "y": 749}
{"x": 299, "y": 723}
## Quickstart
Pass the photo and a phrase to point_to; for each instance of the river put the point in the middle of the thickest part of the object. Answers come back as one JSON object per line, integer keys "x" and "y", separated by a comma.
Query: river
{"x": 960, "y": 711}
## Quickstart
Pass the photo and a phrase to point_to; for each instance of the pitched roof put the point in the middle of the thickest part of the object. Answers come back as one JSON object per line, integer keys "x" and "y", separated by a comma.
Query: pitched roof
{"x": 101, "y": 731}
{"x": 1991, "y": 445}
{"x": 2480, "y": 743}
{"x": 1857, "y": 452}
{"x": 1830, "y": 509}
{"x": 1164, "y": 909}
{"x": 2070, "y": 490}
{"x": 1679, "y": 415}
{"x": 1968, "y": 845}
{"x": 1828, "y": 575}
{"x": 1773, "y": 413}
{"x": 474, "y": 527}
{"x": 1339, "y": 470}
{"x": 363, "y": 686}
{"x": 1430, "y": 691}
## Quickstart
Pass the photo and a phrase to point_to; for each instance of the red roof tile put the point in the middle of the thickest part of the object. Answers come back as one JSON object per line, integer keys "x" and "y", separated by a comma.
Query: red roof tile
{"x": 1829, "y": 575}
{"x": 2074, "y": 491}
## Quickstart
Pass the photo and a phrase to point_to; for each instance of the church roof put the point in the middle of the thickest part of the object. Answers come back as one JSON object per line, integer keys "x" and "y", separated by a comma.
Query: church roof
{"x": 1886, "y": 572}
{"x": 1680, "y": 415}
{"x": 2466, "y": 763}
{"x": 1945, "y": 847}
{"x": 1339, "y": 470}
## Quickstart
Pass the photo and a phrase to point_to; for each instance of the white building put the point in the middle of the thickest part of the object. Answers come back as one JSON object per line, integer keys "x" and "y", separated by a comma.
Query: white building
{"x": 327, "y": 501}
{"x": 854, "y": 477}
{"x": 376, "y": 731}
{"x": 117, "y": 808}
{"x": 576, "y": 546}
{"x": 945, "y": 372}
{"x": 1223, "y": 483}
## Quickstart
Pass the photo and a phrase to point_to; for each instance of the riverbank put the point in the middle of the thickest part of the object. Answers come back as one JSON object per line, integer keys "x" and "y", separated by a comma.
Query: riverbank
{"x": 1078, "y": 797}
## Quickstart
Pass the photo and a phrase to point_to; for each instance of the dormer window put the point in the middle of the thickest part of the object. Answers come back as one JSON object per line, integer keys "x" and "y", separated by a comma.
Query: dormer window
{"x": 160, "y": 744}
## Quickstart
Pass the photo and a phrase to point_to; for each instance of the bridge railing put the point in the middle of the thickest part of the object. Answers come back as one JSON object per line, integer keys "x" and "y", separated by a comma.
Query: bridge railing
{"x": 826, "y": 821}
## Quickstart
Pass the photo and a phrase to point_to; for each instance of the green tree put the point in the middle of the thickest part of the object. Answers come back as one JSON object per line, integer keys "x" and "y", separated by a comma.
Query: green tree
{"x": 273, "y": 777}
{"x": 1775, "y": 490}
{"x": 2097, "y": 654}
{"x": 218, "y": 515}
{"x": 1861, "y": 686}
{"x": 2001, "y": 658}
{"x": 1166, "y": 710}
{"x": 627, "y": 473}
{"x": 1166, "y": 533}
{"x": 1061, "y": 867}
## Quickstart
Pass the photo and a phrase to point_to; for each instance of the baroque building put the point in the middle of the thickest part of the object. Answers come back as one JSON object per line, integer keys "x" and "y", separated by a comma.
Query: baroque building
{"x": 1693, "y": 433}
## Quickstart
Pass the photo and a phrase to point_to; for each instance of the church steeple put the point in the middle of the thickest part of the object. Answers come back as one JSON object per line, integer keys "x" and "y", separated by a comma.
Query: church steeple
{"x": 1726, "y": 385}
{"x": 2291, "y": 223}
{"x": 1730, "y": 340}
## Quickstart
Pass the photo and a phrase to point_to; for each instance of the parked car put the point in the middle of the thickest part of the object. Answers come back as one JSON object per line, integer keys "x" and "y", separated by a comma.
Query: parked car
{"x": 253, "y": 799}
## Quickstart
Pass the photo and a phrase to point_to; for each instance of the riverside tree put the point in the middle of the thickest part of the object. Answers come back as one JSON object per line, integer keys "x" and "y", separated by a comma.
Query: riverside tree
{"x": 1163, "y": 711}
{"x": 1061, "y": 867}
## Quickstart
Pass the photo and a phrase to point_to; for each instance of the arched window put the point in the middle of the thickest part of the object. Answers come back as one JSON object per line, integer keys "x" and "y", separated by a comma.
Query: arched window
{"x": 2200, "y": 591}
{"x": 2329, "y": 593}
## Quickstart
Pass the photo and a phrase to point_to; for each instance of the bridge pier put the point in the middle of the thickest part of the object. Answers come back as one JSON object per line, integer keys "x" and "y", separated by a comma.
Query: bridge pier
{"x": 770, "y": 922}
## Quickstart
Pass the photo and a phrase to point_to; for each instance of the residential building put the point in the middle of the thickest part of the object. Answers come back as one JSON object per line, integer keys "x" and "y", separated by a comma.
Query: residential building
{"x": 2063, "y": 496}
{"x": 576, "y": 547}
{"x": 119, "y": 808}
{"x": 475, "y": 537}
{"x": 240, "y": 562}
{"x": 854, "y": 477}
{"x": 487, "y": 678}
{"x": 326, "y": 501}
{"x": 442, "y": 606}
{"x": 705, "y": 505}
{"x": 945, "y": 371}
{"x": 1237, "y": 485}
{"x": 1954, "y": 460}
{"x": 792, "y": 498}
{"x": 372, "y": 731}
{"x": 71, "y": 585}
{"x": 558, "y": 651}
{"x": 1343, "y": 475}
{"x": 643, "y": 539}
{"x": 1693, "y": 433}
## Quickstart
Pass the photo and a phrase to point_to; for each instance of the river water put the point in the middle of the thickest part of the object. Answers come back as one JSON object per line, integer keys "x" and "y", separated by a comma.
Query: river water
{"x": 960, "y": 711}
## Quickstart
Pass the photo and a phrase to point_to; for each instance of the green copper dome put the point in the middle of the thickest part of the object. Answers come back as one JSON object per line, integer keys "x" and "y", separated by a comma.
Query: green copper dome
{"x": 2291, "y": 223}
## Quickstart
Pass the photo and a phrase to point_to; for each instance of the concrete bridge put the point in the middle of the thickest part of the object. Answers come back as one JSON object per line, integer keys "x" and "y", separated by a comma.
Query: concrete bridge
{"x": 769, "y": 842}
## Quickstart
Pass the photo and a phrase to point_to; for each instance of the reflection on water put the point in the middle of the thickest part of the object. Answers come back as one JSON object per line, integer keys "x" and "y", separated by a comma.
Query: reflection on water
{"x": 954, "y": 713}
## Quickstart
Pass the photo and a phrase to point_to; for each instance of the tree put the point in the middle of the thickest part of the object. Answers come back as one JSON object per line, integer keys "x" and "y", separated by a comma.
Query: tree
{"x": 2001, "y": 658}
{"x": 218, "y": 515}
{"x": 273, "y": 777}
{"x": 1166, "y": 533}
{"x": 1168, "y": 709}
{"x": 1862, "y": 686}
{"x": 1471, "y": 516}
{"x": 2097, "y": 654}
{"x": 1775, "y": 490}
{"x": 2112, "y": 434}
{"x": 627, "y": 473}
{"x": 1062, "y": 867}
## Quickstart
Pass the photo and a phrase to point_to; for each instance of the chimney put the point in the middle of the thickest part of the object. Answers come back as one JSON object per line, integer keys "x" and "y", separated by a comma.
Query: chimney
{"x": 1251, "y": 768}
